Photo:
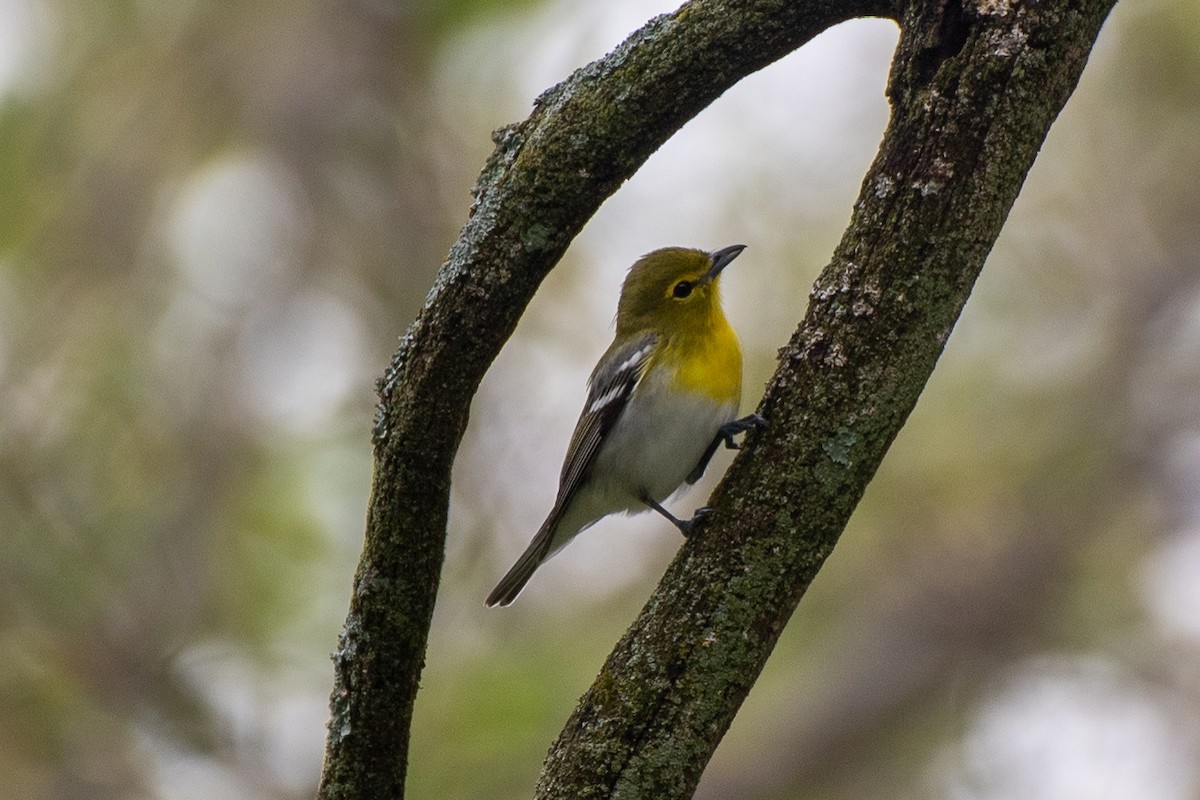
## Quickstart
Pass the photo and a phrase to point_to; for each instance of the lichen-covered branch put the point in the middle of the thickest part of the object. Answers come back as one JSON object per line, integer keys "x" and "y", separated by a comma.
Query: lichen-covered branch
{"x": 546, "y": 178}
{"x": 975, "y": 85}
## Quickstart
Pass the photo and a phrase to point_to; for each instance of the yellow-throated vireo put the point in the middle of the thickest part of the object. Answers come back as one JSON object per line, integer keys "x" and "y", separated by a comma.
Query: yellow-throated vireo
{"x": 662, "y": 399}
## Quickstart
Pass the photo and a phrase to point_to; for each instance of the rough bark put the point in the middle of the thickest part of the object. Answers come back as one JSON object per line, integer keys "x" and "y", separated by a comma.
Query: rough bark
{"x": 974, "y": 89}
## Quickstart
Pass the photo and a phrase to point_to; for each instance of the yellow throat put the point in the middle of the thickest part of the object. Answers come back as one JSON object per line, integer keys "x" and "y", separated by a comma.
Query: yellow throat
{"x": 675, "y": 292}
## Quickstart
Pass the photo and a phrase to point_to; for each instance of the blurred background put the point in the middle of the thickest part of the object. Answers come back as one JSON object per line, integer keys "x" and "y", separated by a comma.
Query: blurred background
{"x": 216, "y": 220}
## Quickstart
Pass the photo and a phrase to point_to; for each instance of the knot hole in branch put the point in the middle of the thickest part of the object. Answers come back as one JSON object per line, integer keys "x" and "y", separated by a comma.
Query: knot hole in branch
{"x": 952, "y": 31}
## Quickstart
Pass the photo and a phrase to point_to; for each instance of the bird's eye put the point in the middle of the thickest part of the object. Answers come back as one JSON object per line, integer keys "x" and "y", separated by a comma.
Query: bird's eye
{"x": 682, "y": 289}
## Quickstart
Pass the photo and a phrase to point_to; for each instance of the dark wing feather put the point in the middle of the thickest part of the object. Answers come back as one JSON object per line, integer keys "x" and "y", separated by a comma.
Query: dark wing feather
{"x": 609, "y": 389}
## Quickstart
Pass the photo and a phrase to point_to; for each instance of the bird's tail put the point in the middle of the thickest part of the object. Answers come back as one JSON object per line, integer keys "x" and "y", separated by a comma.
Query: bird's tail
{"x": 515, "y": 579}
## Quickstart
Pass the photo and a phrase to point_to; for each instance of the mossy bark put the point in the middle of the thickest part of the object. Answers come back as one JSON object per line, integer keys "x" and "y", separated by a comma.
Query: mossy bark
{"x": 974, "y": 89}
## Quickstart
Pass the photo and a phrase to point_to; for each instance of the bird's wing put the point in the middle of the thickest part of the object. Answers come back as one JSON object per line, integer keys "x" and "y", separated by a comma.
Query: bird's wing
{"x": 609, "y": 389}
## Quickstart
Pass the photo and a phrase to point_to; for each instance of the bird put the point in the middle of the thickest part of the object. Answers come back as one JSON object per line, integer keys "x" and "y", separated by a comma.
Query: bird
{"x": 660, "y": 401}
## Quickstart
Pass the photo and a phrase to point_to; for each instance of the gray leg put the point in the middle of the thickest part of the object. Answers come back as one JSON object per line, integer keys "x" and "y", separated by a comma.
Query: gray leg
{"x": 725, "y": 435}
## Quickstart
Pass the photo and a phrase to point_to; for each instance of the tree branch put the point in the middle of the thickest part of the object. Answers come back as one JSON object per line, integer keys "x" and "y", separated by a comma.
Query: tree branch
{"x": 974, "y": 91}
{"x": 546, "y": 178}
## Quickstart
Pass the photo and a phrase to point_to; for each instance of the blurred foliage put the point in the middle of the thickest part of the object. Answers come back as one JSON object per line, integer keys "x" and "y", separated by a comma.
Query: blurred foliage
{"x": 215, "y": 221}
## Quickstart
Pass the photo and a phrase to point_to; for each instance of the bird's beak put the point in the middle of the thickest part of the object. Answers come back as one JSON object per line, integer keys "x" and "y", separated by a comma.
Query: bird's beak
{"x": 721, "y": 259}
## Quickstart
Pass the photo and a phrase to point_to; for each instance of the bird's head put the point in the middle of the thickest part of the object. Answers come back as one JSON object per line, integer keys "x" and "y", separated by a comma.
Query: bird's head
{"x": 673, "y": 290}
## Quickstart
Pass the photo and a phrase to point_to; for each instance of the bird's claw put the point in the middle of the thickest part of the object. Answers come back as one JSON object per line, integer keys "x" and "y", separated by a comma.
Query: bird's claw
{"x": 688, "y": 526}
{"x": 753, "y": 422}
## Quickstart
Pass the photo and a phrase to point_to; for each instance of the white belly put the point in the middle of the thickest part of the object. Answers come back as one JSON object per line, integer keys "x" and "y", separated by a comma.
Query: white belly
{"x": 650, "y": 451}
{"x": 653, "y": 450}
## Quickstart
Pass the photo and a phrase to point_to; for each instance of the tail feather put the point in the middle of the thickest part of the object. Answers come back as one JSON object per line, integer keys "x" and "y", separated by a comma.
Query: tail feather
{"x": 515, "y": 579}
